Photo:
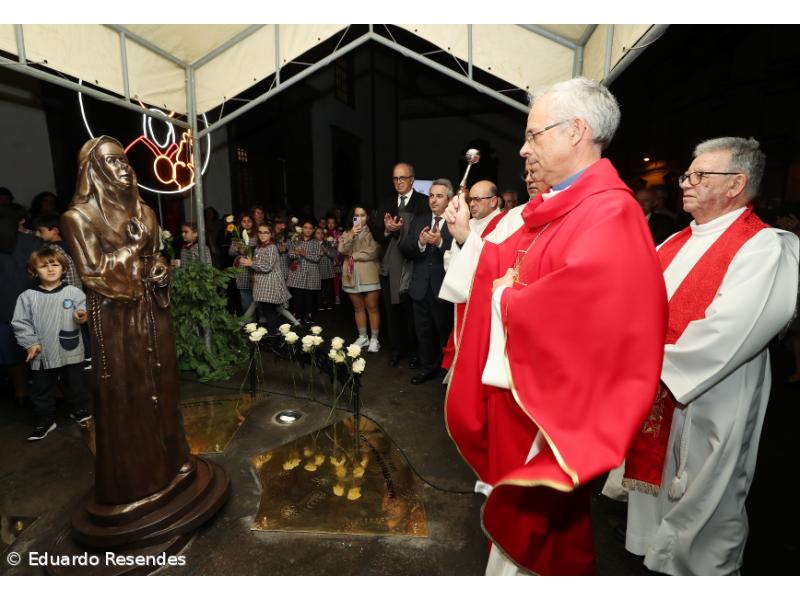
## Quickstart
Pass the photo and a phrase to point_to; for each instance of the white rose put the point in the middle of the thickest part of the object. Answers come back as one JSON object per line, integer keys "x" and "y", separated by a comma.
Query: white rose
{"x": 330, "y": 239}
{"x": 332, "y": 354}
{"x": 337, "y": 343}
{"x": 316, "y": 330}
{"x": 339, "y": 357}
{"x": 353, "y": 351}
{"x": 250, "y": 327}
{"x": 262, "y": 330}
{"x": 295, "y": 221}
{"x": 166, "y": 235}
{"x": 285, "y": 328}
{"x": 298, "y": 229}
{"x": 245, "y": 237}
{"x": 307, "y": 340}
{"x": 256, "y": 336}
{"x": 291, "y": 337}
{"x": 229, "y": 219}
{"x": 359, "y": 365}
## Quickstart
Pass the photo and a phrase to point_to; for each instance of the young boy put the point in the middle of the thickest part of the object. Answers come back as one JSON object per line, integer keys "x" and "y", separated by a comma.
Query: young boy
{"x": 46, "y": 323}
{"x": 49, "y": 231}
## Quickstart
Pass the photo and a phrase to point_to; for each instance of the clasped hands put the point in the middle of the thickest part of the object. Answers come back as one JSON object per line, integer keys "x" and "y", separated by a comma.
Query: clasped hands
{"x": 429, "y": 237}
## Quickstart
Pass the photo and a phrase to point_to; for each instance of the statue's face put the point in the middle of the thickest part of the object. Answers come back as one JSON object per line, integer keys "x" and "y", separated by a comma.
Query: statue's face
{"x": 115, "y": 163}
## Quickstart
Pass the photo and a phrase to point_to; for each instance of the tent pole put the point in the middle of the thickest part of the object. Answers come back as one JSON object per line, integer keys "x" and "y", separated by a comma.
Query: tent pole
{"x": 191, "y": 102}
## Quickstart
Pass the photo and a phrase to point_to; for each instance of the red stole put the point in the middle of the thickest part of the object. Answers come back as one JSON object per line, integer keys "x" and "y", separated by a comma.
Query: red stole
{"x": 645, "y": 459}
{"x": 449, "y": 351}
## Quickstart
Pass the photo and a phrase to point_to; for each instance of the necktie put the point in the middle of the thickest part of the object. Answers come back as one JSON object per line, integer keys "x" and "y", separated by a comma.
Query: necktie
{"x": 402, "y": 202}
{"x": 436, "y": 224}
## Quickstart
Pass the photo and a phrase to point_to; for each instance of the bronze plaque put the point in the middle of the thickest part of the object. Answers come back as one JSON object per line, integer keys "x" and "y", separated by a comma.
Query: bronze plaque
{"x": 334, "y": 481}
{"x": 211, "y": 422}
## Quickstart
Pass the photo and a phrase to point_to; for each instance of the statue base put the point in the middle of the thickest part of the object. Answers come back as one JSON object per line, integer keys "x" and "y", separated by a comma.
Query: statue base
{"x": 158, "y": 525}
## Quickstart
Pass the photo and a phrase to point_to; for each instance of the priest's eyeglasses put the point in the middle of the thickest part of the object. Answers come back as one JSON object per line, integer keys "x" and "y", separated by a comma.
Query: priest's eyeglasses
{"x": 472, "y": 199}
{"x": 695, "y": 177}
{"x": 530, "y": 136}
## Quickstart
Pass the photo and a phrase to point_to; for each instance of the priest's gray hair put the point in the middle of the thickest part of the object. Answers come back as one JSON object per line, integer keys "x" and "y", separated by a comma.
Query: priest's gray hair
{"x": 746, "y": 156}
{"x": 587, "y": 99}
{"x": 446, "y": 183}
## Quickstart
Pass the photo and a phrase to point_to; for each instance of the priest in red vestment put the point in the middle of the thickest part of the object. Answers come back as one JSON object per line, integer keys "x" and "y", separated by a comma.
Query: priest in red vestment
{"x": 559, "y": 359}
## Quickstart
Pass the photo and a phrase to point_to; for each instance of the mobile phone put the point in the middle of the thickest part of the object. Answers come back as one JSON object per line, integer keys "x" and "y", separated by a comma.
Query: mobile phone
{"x": 356, "y": 220}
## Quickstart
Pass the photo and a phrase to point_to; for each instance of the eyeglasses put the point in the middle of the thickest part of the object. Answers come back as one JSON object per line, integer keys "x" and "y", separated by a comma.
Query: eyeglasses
{"x": 402, "y": 178}
{"x": 472, "y": 199}
{"x": 523, "y": 175}
{"x": 530, "y": 136}
{"x": 695, "y": 177}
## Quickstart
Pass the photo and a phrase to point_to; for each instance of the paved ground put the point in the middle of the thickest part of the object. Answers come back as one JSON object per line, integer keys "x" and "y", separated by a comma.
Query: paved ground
{"x": 46, "y": 478}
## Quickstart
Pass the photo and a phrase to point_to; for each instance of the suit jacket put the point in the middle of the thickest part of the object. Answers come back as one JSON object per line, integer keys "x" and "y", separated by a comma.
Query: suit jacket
{"x": 429, "y": 264}
{"x": 393, "y": 265}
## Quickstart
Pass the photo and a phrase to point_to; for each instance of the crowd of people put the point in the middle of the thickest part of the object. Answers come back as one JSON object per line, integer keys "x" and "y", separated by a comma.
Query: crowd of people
{"x": 579, "y": 332}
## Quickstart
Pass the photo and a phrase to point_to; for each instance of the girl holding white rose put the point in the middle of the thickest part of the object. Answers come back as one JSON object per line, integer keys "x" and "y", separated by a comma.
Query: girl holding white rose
{"x": 241, "y": 246}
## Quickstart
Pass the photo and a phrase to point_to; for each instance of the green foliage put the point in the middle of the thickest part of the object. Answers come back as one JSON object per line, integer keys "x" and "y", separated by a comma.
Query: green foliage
{"x": 199, "y": 313}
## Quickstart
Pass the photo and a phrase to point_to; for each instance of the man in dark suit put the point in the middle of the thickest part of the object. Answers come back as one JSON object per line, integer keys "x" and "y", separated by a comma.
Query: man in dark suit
{"x": 396, "y": 214}
{"x": 661, "y": 226}
{"x": 425, "y": 244}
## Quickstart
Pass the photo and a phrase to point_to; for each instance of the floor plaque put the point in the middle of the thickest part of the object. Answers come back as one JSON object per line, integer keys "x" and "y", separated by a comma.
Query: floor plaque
{"x": 211, "y": 422}
{"x": 334, "y": 481}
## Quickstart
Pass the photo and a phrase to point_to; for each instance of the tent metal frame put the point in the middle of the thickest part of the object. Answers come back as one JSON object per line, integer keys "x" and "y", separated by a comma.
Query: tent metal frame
{"x": 127, "y": 36}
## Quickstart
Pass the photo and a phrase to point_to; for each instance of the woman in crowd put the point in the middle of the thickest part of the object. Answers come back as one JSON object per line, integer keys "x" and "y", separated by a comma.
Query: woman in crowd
{"x": 360, "y": 276}
{"x": 257, "y": 214}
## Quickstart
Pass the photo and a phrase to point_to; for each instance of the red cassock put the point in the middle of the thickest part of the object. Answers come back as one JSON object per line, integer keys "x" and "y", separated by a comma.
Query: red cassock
{"x": 585, "y": 329}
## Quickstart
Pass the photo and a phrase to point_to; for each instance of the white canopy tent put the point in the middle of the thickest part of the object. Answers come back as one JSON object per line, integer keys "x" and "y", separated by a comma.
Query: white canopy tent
{"x": 191, "y": 69}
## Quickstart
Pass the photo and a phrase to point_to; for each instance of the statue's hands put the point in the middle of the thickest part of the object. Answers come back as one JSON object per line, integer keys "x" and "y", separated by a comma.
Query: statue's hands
{"x": 136, "y": 231}
{"x": 159, "y": 274}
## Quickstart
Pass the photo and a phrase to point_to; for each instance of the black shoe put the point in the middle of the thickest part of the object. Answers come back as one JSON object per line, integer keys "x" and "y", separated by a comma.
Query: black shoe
{"x": 394, "y": 359}
{"x": 413, "y": 363}
{"x": 40, "y": 431}
{"x": 424, "y": 376}
{"x": 80, "y": 416}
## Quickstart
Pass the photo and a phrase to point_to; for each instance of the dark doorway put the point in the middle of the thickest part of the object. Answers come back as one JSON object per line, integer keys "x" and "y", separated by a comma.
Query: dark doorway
{"x": 346, "y": 152}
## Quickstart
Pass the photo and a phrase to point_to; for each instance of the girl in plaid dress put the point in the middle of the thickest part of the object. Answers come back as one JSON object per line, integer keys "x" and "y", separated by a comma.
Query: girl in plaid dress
{"x": 269, "y": 288}
{"x": 238, "y": 249}
{"x": 303, "y": 278}
{"x": 191, "y": 251}
{"x": 326, "y": 273}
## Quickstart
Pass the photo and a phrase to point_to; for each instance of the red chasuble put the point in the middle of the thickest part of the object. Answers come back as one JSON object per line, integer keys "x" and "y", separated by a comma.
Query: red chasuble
{"x": 449, "y": 351}
{"x": 584, "y": 330}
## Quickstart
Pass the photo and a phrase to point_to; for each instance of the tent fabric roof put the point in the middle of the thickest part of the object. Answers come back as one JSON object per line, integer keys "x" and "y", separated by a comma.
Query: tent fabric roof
{"x": 151, "y": 63}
